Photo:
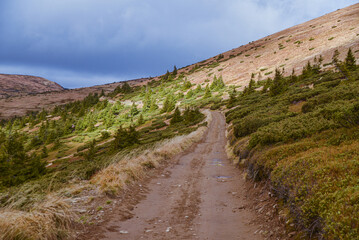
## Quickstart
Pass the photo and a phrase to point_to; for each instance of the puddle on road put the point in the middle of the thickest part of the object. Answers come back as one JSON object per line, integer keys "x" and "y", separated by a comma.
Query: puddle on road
{"x": 222, "y": 177}
{"x": 217, "y": 162}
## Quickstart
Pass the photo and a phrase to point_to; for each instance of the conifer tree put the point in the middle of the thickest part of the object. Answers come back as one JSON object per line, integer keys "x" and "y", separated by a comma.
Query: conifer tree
{"x": 134, "y": 111}
{"x": 133, "y": 136}
{"x": 207, "y": 93}
{"x": 198, "y": 88}
{"x": 90, "y": 154}
{"x": 279, "y": 85}
{"x": 147, "y": 101}
{"x": 189, "y": 93}
{"x": 186, "y": 85}
{"x": 169, "y": 104}
{"x": 120, "y": 139}
{"x": 140, "y": 120}
{"x": 174, "y": 70}
{"x": 350, "y": 61}
{"x": 44, "y": 152}
{"x": 176, "y": 116}
{"x": 335, "y": 59}
{"x": 126, "y": 88}
{"x": 15, "y": 165}
{"x": 217, "y": 83}
{"x": 153, "y": 106}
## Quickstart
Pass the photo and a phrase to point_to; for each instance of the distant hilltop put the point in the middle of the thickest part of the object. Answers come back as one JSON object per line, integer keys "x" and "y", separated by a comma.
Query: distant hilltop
{"x": 19, "y": 85}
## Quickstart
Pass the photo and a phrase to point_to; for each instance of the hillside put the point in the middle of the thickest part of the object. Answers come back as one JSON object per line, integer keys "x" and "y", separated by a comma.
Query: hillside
{"x": 22, "y": 104}
{"x": 19, "y": 85}
{"x": 289, "y": 49}
{"x": 86, "y": 166}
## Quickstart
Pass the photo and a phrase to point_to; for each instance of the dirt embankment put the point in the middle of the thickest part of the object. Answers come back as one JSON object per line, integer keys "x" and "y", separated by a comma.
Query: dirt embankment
{"x": 200, "y": 195}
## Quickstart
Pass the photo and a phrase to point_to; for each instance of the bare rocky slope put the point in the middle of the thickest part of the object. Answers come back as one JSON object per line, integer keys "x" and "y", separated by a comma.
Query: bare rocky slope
{"x": 19, "y": 85}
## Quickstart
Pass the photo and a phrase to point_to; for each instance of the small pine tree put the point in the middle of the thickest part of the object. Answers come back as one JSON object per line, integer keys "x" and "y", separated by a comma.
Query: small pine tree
{"x": 134, "y": 111}
{"x": 350, "y": 60}
{"x": 174, "y": 73}
{"x": 176, "y": 116}
{"x": 293, "y": 77}
{"x": 186, "y": 85}
{"x": 279, "y": 85}
{"x": 44, "y": 152}
{"x": 198, "y": 88}
{"x": 217, "y": 83}
{"x": 90, "y": 154}
{"x": 120, "y": 139}
{"x": 232, "y": 98}
{"x": 166, "y": 76}
{"x": 133, "y": 136}
{"x": 189, "y": 93}
{"x": 153, "y": 106}
{"x": 126, "y": 88}
{"x": 140, "y": 120}
{"x": 335, "y": 59}
{"x": 207, "y": 93}
{"x": 169, "y": 104}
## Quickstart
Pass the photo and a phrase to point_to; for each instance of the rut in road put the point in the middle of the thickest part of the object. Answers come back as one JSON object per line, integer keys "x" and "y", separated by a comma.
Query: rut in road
{"x": 200, "y": 197}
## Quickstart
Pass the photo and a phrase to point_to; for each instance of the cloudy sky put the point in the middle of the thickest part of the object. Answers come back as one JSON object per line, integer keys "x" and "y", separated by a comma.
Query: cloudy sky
{"x": 87, "y": 42}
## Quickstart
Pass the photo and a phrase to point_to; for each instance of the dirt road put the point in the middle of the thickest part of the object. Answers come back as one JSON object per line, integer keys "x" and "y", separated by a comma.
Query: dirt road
{"x": 200, "y": 197}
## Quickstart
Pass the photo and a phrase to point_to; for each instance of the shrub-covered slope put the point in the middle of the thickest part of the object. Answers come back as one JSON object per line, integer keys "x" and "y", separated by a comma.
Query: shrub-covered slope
{"x": 302, "y": 133}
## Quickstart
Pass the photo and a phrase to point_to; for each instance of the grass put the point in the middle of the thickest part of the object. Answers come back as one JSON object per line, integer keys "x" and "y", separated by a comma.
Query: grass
{"x": 50, "y": 219}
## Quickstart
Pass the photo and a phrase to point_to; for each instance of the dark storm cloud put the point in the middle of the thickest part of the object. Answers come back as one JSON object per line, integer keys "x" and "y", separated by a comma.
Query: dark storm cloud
{"x": 86, "y": 42}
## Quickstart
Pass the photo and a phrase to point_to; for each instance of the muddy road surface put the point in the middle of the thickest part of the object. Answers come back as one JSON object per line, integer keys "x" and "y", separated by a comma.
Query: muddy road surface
{"x": 201, "y": 196}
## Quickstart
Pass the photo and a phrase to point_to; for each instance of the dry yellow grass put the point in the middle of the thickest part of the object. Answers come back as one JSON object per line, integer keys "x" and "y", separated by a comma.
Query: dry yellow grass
{"x": 50, "y": 219}
{"x": 132, "y": 167}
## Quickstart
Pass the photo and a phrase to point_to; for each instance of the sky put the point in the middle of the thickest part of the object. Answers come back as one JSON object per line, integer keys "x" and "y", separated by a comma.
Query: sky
{"x": 79, "y": 43}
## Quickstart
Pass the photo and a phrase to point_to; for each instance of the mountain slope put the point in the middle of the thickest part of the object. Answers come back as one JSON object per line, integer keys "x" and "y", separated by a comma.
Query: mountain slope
{"x": 18, "y": 85}
{"x": 289, "y": 49}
